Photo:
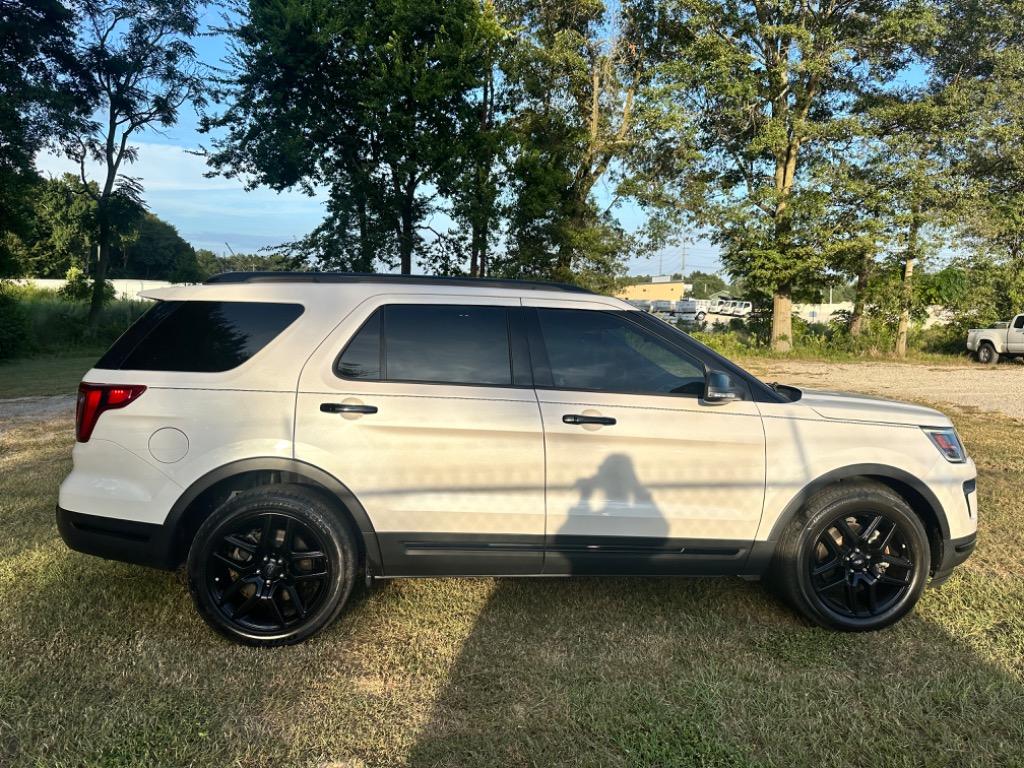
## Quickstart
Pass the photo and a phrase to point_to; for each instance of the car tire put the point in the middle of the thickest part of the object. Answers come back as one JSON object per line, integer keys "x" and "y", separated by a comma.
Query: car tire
{"x": 987, "y": 354}
{"x": 272, "y": 565}
{"x": 856, "y": 558}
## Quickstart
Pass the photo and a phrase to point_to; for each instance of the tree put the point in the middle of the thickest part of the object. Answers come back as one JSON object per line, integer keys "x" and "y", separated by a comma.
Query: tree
{"x": 758, "y": 88}
{"x": 705, "y": 284}
{"x": 157, "y": 252}
{"x": 572, "y": 76}
{"x": 372, "y": 100}
{"x": 62, "y": 231}
{"x": 41, "y": 100}
{"x": 140, "y": 69}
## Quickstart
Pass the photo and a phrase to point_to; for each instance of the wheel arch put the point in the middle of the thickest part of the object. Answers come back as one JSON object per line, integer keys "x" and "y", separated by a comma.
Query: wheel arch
{"x": 205, "y": 494}
{"x": 915, "y": 492}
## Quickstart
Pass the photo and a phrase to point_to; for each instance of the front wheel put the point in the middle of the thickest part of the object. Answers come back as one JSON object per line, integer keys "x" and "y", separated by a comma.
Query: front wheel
{"x": 272, "y": 565}
{"x": 856, "y": 559}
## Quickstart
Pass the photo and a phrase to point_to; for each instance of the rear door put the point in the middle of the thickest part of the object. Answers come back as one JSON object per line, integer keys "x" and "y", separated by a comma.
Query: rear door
{"x": 642, "y": 475}
{"x": 424, "y": 408}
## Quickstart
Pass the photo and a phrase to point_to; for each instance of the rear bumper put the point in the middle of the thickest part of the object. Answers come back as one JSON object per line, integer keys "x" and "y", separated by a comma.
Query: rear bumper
{"x": 126, "y": 540}
{"x": 954, "y": 552}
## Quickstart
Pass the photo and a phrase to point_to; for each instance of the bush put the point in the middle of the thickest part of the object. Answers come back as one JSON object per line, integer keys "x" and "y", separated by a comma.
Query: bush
{"x": 40, "y": 321}
{"x": 14, "y": 326}
{"x": 79, "y": 287}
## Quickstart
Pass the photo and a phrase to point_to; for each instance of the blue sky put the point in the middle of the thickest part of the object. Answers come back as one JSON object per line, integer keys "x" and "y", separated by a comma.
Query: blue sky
{"x": 219, "y": 214}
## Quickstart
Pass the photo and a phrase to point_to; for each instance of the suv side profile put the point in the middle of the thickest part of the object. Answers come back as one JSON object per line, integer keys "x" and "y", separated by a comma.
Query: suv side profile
{"x": 284, "y": 434}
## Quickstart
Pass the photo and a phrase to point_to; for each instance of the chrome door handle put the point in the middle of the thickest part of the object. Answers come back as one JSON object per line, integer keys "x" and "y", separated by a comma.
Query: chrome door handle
{"x": 579, "y": 418}
{"x": 347, "y": 408}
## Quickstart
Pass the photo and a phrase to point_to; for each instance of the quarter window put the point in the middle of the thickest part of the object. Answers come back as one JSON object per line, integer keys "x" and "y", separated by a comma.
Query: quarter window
{"x": 198, "y": 336}
{"x": 431, "y": 343}
{"x": 603, "y": 351}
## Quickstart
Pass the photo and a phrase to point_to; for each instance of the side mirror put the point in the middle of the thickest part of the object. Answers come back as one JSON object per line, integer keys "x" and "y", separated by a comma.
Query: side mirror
{"x": 719, "y": 388}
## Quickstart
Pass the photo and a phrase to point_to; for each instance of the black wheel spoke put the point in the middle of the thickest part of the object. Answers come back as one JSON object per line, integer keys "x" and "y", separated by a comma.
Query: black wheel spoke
{"x": 235, "y": 565}
{"x": 234, "y": 588}
{"x": 244, "y": 544}
{"x": 278, "y": 613}
{"x": 267, "y": 532}
{"x": 867, "y": 533}
{"x": 849, "y": 537}
{"x": 885, "y": 578}
{"x": 313, "y": 554}
{"x": 898, "y": 561}
{"x": 297, "y": 603}
{"x": 249, "y": 603}
{"x": 311, "y": 576}
{"x": 829, "y": 565}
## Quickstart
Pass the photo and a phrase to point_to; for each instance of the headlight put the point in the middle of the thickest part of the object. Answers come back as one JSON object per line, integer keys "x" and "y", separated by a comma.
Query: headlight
{"x": 948, "y": 443}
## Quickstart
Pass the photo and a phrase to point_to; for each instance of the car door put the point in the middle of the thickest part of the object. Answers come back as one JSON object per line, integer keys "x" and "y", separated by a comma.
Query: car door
{"x": 1015, "y": 336}
{"x": 643, "y": 476}
{"x": 424, "y": 409}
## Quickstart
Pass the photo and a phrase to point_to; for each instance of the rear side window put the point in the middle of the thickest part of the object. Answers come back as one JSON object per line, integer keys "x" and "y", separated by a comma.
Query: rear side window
{"x": 431, "y": 344}
{"x": 199, "y": 336}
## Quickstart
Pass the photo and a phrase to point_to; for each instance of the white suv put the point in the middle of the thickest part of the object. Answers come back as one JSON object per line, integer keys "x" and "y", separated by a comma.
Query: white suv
{"x": 284, "y": 434}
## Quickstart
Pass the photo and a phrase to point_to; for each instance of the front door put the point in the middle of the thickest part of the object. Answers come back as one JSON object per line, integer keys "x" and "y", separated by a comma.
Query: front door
{"x": 1015, "y": 336}
{"x": 642, "y": 475}
{"x": 429, "y": 417}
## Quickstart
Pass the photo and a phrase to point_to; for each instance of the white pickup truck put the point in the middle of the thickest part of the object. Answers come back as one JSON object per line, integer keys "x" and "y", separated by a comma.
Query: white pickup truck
{"x": 1002, "y": 340}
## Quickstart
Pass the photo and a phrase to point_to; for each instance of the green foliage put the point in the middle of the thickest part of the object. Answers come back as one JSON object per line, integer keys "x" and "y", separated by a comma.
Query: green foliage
{"x": 80, "y": 288}
{"x": 705, "y": 285}
{"x": 36, "y": 321}
{"x": 14, "y": 325}
{"x": 157, "y": 252}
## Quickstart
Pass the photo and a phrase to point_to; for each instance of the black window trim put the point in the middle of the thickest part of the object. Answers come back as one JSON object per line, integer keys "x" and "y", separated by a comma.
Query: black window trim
{"x": 538, "y": 352}
{"x": 519, "y": 350}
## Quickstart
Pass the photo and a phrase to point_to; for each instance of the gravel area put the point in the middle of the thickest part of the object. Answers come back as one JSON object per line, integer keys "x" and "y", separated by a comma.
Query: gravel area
{"x": 973, "y": 386}
{"x": 36, "y": 408}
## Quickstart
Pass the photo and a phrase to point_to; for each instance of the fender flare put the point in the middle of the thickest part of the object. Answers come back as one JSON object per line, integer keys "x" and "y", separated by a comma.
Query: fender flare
{"x": 763, "y": 550}
{"x": 314, "y": 474}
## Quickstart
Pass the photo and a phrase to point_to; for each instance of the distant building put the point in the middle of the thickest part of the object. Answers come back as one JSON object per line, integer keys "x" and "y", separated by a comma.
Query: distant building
{"x": 668, "y": 290}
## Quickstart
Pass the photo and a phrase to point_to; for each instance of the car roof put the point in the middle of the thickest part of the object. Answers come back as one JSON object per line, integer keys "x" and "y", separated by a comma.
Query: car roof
{"x": 312, "y": 287}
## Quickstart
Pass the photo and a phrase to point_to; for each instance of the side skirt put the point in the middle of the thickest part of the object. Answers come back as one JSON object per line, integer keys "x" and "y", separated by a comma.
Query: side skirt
{"x": 457, "y": 554}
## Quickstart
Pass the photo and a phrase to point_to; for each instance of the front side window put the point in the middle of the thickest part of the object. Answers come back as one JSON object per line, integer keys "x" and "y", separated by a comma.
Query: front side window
{"x": 1019, "y": 322}
{"x": 198, "y": 336}
{"x": 605, "y": 352}
{"x": 431, "y": 344}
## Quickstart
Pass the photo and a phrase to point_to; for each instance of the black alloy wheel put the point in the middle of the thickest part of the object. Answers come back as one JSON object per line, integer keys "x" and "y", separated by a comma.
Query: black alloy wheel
{"x": 861, "y": 565}
{"x": 273, "y": 565}
{"x": 268, "y": 572}
{"x": 855, "y": 558}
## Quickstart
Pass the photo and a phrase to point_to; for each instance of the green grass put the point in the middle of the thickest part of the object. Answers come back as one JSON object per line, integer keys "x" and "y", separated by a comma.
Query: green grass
{"x": 46, "y": 375}
{"x": 106, "y": 664}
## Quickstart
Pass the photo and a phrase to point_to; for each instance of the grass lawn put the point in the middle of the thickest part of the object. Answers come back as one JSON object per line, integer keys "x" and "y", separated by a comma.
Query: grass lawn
{"x": 105, "y": 664}
{"x": 48, "y": 375}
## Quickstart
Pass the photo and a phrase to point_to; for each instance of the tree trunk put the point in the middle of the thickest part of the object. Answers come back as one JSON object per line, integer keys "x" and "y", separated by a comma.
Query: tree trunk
{"x": 782, "y": 319}
{"x": 857, "y": 318}
{"x": 907, "y": 293}
{"x": 100, "y": 274}
{"x": 405, "y": 240}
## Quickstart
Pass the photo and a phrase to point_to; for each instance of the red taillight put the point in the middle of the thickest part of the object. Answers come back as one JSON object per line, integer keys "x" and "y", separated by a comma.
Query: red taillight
{"x": 94, "y": 399}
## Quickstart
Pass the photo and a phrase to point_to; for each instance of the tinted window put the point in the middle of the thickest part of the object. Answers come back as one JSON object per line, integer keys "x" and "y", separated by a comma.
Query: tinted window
{"x": 199, "y": 336}
{"x": 1019, "y": 322}
{"x": 449, "y": 344}
{"x": 604, "y": 351}
{"x": 361, "y": 358}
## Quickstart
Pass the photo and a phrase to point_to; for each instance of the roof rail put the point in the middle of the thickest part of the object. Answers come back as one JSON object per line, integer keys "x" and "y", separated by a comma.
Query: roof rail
{"x": 361, "y": 277}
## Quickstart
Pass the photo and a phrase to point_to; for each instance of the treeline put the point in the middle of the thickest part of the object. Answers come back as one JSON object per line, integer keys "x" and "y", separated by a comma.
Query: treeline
{"x": 815, "y": 142}
{"x": 58, "y": 237}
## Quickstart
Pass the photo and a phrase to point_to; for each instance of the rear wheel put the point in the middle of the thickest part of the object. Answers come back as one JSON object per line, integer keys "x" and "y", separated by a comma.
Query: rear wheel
{"x": 856, "y": 559}
{"x": 272, "y": 566}
{"x": 987, "y": 354}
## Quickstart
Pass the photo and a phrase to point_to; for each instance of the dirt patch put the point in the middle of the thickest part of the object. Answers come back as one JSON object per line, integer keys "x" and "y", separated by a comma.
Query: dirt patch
{"x": 998, "y": 388}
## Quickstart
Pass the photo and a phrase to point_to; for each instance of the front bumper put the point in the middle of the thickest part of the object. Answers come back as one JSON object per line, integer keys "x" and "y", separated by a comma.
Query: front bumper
{"x": 126, "y": 540}
{"x": 954, "y": 552}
